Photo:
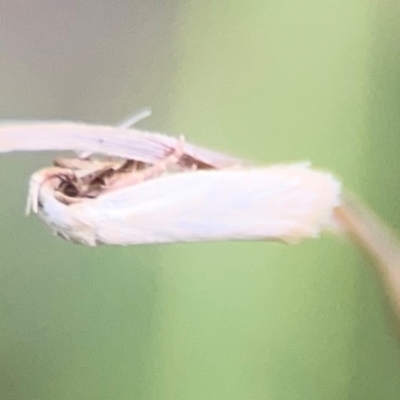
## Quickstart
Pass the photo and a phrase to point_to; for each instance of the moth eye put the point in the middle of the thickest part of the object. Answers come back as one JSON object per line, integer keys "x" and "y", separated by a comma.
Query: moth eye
{"x": 69, "y": 189}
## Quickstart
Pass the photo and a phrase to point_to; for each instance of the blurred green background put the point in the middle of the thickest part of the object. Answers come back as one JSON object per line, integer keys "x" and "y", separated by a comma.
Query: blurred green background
{"x": 273, "y": 81}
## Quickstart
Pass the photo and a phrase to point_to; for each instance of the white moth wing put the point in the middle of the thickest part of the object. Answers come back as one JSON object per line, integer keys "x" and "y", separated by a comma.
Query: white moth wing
{"x": 122, "y": 142}
{"x": 286, "y": 203}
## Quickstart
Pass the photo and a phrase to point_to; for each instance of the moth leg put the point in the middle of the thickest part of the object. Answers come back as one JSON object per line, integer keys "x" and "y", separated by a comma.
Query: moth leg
{"x": 72, "y": 163}
{"x": 38, "y": 179}
{"x": 86, "y": 164}
{"x": 154, "y": 171}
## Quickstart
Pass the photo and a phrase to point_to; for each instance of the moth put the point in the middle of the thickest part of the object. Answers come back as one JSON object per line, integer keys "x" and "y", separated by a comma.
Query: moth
{"x": 128, "y": 187}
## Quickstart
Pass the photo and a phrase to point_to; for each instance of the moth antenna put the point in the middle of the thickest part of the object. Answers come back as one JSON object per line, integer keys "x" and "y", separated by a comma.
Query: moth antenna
{"x": 138, "y": 116}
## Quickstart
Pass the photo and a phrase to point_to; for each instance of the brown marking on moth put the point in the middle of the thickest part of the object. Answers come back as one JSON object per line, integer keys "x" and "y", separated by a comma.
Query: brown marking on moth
{"x": 190, "y": 162}
{"x": 89, "y": 178}
{"x": 123, "y": 179}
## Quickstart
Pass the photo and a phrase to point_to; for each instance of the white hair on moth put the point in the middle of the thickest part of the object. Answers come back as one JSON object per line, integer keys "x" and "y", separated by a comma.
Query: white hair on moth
{"x": 284, "y": 202}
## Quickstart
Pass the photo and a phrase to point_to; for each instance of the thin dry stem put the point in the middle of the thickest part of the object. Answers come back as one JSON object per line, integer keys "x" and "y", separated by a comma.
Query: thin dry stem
{"x": 377, "y": 239}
